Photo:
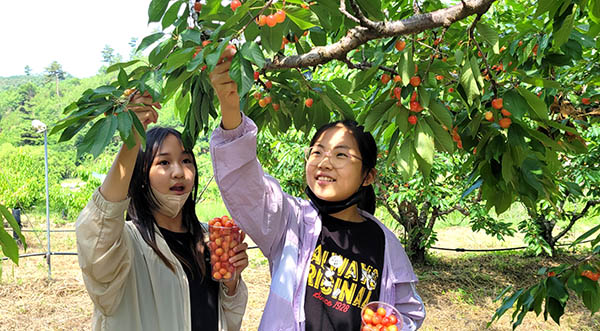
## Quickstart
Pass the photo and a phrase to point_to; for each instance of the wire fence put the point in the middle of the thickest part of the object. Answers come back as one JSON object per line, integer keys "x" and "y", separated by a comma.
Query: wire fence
{"x": 459, "y": 250}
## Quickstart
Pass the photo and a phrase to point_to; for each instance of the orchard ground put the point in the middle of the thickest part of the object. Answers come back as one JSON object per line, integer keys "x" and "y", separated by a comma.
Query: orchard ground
{"x": 458, "y": 289}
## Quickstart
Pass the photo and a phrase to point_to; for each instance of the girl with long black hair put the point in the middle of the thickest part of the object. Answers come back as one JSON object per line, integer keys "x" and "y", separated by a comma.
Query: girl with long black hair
{"x": 151, "y": 272}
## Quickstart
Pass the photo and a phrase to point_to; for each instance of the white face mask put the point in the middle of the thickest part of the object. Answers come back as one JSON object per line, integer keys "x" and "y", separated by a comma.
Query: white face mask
{"x": 170, "y": 204}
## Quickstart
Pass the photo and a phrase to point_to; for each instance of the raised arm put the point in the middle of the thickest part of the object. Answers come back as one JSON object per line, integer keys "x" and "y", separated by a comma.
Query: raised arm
{"x": 104, "y": 253}
{"x": 116, "y": 184}
{"x": 226, "y": 90}
{"x": 254, "y": 199}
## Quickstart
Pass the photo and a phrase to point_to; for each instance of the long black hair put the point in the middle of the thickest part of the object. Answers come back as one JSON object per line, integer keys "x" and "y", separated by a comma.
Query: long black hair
{"x": 368, "y": 151}
{"x": 143, "y": 202}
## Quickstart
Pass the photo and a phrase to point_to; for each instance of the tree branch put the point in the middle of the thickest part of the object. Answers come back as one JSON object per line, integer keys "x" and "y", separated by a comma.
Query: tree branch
{"x": 367, "y": 65}
{"x": 363, "y": 20}
{"x": 576, "y": 217}
{"x": 360, "y": 35}
{"x": 489, "y": 71}
{"x": 346, "y": 13}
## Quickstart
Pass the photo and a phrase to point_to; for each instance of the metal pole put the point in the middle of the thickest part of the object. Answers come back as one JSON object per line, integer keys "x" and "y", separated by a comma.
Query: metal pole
{"x": 49, "y": 252}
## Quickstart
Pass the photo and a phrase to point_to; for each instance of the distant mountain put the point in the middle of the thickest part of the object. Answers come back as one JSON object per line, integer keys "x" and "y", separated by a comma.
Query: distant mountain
{"x": 7, "y": 83}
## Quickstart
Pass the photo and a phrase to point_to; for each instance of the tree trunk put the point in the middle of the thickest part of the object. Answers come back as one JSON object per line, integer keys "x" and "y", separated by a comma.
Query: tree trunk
{"x": 57, "y": 92}
{"x": 545, "y": 231}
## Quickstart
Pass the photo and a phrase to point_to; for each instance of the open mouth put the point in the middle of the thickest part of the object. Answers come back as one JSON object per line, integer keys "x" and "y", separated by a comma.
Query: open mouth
{"x": 325, "y": 179}
{"x": 178, "y": 189}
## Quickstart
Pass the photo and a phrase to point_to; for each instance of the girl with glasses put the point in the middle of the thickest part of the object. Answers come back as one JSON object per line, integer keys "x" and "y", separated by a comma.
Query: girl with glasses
{"x": 152, "y": 272}
{"x": 328, "y": 256}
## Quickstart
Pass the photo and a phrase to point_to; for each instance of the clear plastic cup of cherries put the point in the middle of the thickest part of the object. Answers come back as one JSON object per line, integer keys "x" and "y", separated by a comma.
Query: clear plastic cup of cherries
{"x": 224, "y": 235}
{"x": 380, "y": 316}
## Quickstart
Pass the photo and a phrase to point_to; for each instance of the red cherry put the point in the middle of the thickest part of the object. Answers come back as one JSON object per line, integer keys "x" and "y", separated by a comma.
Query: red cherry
{"x": 271, "y": 22}
{"x": 279, "y": 16}
{"x": 412, "y": 119}
{"x": 385, "y": 78}
{"x": 415, "y": 81}
{"x": 235, "y": 4}
{"x": 400, "y": 44}
{"x": 497, "y": 103}
{"x": 308, "y": 102}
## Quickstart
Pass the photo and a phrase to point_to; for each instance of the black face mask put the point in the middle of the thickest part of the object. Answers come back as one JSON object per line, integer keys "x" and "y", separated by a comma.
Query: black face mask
{"x": 332, "y": 207}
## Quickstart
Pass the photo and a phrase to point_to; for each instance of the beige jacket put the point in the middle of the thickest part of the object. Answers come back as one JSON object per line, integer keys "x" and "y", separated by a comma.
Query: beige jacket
{"x": 132, "y": 289}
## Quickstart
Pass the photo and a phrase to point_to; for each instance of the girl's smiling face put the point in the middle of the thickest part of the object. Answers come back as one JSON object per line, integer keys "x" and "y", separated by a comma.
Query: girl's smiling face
{"x": 172, "y": 170}
{"x": 336, "y": 183}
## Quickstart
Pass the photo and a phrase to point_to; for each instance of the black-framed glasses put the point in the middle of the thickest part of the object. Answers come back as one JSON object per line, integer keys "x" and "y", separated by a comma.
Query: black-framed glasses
{"x": 338, "y": 157}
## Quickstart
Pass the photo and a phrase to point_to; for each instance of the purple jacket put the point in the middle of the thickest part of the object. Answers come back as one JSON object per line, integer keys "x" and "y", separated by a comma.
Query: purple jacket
{"x": 286, "y": 229}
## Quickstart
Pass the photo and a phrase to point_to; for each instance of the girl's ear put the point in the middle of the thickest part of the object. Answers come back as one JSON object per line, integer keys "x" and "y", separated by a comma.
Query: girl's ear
{"x": 370, "y": 179}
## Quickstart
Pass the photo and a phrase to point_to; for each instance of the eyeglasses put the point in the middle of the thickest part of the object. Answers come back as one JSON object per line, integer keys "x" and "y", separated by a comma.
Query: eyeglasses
{"x": 338, "y": 157}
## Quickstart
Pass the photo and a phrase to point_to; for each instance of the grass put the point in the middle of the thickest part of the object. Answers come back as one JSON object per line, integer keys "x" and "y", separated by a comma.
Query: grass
{"x": 458, "y": 288}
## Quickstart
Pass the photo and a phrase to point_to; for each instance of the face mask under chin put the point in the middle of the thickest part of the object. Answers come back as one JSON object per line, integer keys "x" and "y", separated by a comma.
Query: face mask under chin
{"x": 169, "y": 204}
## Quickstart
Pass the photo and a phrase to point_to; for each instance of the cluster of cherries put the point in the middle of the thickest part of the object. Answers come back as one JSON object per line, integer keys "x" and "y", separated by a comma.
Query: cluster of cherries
{"x": 379, "y": 320}
{"x": 224, "y": 235}
{"x": 505, "y": 121}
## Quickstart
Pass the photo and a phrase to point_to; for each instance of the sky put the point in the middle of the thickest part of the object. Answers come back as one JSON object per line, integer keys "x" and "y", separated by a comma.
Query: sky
{"x": 72, "y": 32}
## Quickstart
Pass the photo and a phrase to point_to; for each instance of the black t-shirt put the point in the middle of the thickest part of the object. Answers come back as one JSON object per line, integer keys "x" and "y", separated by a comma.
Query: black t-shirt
{"x": 204, "y": 292}
{"x": 345, "y": 274}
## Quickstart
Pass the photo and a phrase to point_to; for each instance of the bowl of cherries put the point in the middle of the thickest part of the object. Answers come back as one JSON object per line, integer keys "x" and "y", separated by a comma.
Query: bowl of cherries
{"x": 380, "y": 316}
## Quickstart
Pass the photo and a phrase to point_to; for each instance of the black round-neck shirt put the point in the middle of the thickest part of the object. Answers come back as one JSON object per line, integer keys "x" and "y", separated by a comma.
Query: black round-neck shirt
{"x": 344, "y": 275}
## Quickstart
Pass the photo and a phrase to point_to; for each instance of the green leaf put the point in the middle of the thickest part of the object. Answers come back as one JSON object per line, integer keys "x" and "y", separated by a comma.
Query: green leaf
{"x": 507, "y": 167}
{"x": 406, "y": 67}
{"x": 490, "y": 35}
{"x": 372, "y": 9}
{"x": 182, "y": 104}
{"x": 539, "y": 106}
{"x": 557, "y": 290}
{"x": 586, "y": 235}
{"x": 424, "y": 142}
{"x": 9, "y": 246}
{"x": 98, "y": 136}
{"x": 406, "y": 160}
{"x": 171, "y": 14}
{"x": 441, "y": 113}
{"x": 376, "y": 113}
{"x": 468, "y": 82}
{"x": 149, "y": 40}
{"x": 13, "y": 223}
{"x": 442, "y": 137}
{"x": 271, "y": 38}
{"x": 192, "y": 35}
{"x": 161, "y": 51}
{"x": 122, "y": 78}
{"x": 318, "y": 37}
{"x": 125, "y": 123}
{"x": 120, "y": 65}
{"x": 304, "y": 19}
{"x": 555, "y": 308}
{"x": 546, "y": 5}
{"x": 156, "y": 10}
{"x": 139, "y": 127}
{"x": 337, "y": 103}
{"x": 252, "y": 52}
{"x": 562, "y": 35}
{"x": 363, "y": 78}
{"x": 241, "y": 72}
{"x": 179, "y": 58}
{"x": 515, "y": 103}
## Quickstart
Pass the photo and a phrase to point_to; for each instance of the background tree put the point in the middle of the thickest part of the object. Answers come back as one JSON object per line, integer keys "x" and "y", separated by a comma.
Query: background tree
{"x": 27, "y": 70}
{"x": 55, "y": 72}
{"x": 133, "y": 42}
